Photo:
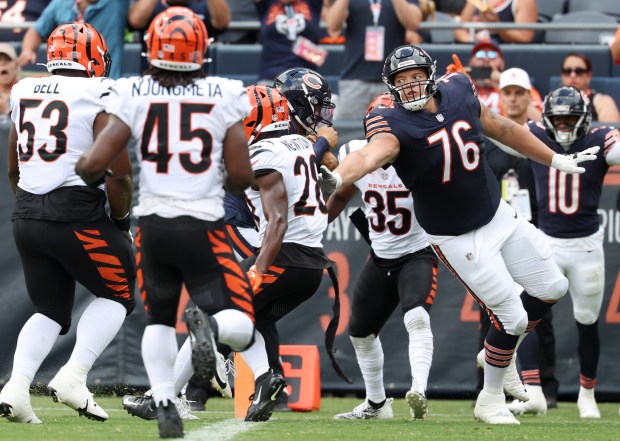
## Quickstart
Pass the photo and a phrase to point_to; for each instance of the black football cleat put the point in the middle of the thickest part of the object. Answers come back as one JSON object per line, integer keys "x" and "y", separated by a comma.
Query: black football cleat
{"x": 267, "y": 389}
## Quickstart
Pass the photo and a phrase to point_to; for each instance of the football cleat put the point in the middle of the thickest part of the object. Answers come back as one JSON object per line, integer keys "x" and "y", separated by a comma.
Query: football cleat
{"x": 203, "y": 343}
{"x": 282, "y": 402}
{"x": 513, "y": 385}
{"x": 219, "y": 382}
{"x": 586, "y": 403}
{"x": 267, "y": 389}
{"x": 418, "y": 405}
{"x": 537, "y": 405}
{"x": 69, "y": 389}
{"x": 492, "y": 409}
{"x": 366, "y": 412}
{"x": 15, "y": 404}
{"x": 169, "y": 422}
{"x": 144, "y": 407}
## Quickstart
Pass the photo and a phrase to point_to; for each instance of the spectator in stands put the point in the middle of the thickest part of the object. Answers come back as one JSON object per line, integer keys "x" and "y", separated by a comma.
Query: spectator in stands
{"x": 9, "y": 75}
{"x": 368, "y": 23}
{"x": 214, "y": 13}
{"x": 485, "y": 67}
{"x": 107, "y": 16}
{"x": 289, "y": 33}
{"x": 499, "y": 11}
{"x": 577, "y": 72}
{"x": 615, "y": 47}
{"x": 451, "y": 7}
{"x": 19, "y": 12}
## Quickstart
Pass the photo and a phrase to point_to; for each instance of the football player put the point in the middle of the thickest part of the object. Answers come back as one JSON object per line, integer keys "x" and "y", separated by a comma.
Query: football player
{"x": 185, "y": 125}
{"x": 434, "y": 138}
{"x": 291, "y": 217}
{"x": 568, "y": 217}
{"x": 403, "y": 268}
{"x": 60, "y": 225}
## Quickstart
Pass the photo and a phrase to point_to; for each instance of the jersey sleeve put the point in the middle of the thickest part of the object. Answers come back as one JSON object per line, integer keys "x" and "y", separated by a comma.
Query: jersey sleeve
{"x": 264, "y": 158}
{"x": 375, "y": 123}
{"x": 116, "y": 104}
{"x": 237, "y": 106}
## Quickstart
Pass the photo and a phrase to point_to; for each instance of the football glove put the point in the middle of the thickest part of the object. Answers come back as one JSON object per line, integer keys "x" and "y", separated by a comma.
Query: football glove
{"x": 124, "y": 224}
{"x": 329, "y": 181}
{"x": 256, "y": 278}
{"x": 568, "y": 163}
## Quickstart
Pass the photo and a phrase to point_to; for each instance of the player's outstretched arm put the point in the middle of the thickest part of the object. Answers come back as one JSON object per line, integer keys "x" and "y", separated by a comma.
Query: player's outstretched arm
{"x": 383, "y": 148}
{"x": 339, "y": 200}
{"x": 523, "y": 141}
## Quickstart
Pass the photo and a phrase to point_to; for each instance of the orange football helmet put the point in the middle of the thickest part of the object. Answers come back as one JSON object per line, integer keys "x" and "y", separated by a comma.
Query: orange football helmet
{"x": 78, "y": 46}
{"x": 177, "y": 39}
{"x": 269, "y": 111}
{"x": 381, "y": 101}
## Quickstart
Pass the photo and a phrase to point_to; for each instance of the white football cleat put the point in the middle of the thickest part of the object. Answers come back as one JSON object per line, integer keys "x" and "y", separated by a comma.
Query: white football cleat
{"x": 537, "y": 405}
{"x": 68, "y": 388}
{"x": 513, "y": 385}
{"x": 418, "y": 405}
{"x": 184, "y": 409}
{"x": 366, "y": 412}
{"x": 15, "y": 404}
{"x": 492, "y": 409}
{"x": 220, "y": 382}
{"x": 586, "y": 403}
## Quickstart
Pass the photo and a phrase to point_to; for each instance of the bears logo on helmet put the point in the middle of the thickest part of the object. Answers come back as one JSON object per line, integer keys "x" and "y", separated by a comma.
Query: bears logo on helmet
{"x": 177, "y": 40}
{"x": 309, "y": 97}
{"x": 78, "y": 46}
{"x": 269, "y": 112}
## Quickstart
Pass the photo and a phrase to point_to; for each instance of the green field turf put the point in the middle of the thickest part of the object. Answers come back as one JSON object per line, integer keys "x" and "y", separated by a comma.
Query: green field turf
{"x": 447, "y": 420}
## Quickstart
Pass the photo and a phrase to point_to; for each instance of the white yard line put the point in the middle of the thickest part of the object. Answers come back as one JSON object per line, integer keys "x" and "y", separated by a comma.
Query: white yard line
{"x": 221, "y": 431}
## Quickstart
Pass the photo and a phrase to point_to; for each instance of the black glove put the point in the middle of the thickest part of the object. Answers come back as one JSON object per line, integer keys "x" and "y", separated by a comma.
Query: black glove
{"x": 124, "y": 225}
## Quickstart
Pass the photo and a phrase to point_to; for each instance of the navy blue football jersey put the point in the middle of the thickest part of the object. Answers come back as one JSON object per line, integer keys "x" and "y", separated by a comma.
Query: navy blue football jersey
{"x": 236, "y": 211}
{"x": 442, "y": 158}
{"x": 567, "y": 204}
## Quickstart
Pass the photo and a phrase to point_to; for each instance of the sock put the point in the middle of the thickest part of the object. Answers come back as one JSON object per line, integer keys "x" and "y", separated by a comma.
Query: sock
{"x": 528, "y": 359}
{"x": 499, "y": 349}
{"x": 97, "y": 327}
{"x": 589, "y": 350}
{"x": 369, "y": 355}
{"x": 256, "y": 356}
{"x": 34, "y": 343}
{"x": 159, "y": 350}
{"x": 183, "y": 369}
{"x": 235, "y": 328}
{"x": 418, "y": 324}
{"x": 535, "y": 309}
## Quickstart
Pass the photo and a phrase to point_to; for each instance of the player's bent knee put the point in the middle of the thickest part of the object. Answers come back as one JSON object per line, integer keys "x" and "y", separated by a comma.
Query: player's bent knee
{"x": 235, "y": 329}
{"x": 417, "y": 319}
{"x": 584, "y": 317}
{"x": 517, "y": 324}
{"x": 555, "y": 291}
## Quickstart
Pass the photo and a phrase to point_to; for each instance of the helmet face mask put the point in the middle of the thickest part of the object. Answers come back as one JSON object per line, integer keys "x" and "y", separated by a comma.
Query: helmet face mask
{"x": 405, "y": 58}
{"x": 269, "y": 112}
{"x": 309, "y": 97}
{"x": 566, "y": 106}
{"x": 78, "y": 46}
{"x": 177, "y": 40}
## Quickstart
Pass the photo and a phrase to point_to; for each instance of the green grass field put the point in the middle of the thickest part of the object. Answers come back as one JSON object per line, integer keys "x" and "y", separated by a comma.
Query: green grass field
{"x": 447, "y": 420}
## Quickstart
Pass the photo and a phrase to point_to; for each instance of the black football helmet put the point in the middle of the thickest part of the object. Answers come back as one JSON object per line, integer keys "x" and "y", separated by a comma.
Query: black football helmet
{"x": 408, "y": 57}
{"x": 566, "y": 101}
{"x": 309, "y": 97}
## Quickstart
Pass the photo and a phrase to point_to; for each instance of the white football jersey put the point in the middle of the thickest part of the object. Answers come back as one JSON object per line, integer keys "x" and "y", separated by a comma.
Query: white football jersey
{"x": 179, "y": 134}
{"x": 54, "y": 119}
{"x": 293, "y": 157}
{"x": 388, "y": 205}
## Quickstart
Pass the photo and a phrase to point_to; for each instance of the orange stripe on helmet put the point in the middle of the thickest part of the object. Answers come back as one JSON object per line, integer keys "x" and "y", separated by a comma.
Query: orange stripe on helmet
{"x": 78, "y": 46}
{"x": 269, "y": 111}
{"x": 177, "y": 40}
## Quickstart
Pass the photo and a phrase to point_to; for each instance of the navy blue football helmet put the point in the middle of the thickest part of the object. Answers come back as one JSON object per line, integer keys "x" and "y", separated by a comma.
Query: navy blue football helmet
{"x": 566, "y": 101}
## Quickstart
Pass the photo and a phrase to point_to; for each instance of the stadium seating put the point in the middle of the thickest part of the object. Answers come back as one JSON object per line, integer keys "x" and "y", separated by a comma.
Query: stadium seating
{"x": 547, "y": 9}
{"x": 442, "y": 35}
{"x": 605, "y": 6}
{"x": 576, "y": 36}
